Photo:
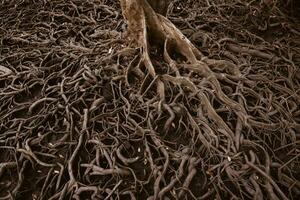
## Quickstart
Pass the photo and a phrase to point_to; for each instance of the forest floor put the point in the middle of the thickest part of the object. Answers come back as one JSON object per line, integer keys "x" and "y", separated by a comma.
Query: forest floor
{"x": 79, "y": 120}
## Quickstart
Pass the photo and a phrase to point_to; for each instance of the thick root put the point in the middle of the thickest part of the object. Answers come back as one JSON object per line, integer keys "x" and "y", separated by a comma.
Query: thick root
{"x": 144, "y": 23}
{"x": 141, "y": 18}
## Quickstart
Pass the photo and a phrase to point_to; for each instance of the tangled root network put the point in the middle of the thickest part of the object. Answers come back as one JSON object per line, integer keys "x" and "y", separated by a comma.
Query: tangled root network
{"x": 102, "y": 99}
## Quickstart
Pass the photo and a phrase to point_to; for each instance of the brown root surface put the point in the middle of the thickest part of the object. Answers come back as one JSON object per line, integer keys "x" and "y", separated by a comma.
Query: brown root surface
{"x": 200, "y": 104}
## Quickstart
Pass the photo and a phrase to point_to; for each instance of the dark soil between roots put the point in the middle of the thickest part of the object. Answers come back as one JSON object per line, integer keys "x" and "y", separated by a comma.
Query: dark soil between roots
{"x": 75, "y": 123}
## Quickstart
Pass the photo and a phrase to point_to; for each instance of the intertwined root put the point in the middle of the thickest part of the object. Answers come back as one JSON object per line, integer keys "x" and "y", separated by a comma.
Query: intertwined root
{"x": 72, "y": 126}
{"x": 144, "y": 23}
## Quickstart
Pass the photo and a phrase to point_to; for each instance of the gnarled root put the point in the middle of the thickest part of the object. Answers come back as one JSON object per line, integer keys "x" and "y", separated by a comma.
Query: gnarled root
{"x": 144, "y": 22}
{"x": 221, "y": 138}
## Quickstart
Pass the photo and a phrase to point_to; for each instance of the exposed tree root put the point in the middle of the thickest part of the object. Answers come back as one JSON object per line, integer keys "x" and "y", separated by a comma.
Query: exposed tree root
{"x": 144, "y": 23}
{"x": 136, "y": 12}
{"x": 87, "y": 114}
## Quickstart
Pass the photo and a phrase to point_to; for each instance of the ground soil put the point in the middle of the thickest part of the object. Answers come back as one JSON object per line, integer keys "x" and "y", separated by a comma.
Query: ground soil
{"x": 80, "y": 120}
